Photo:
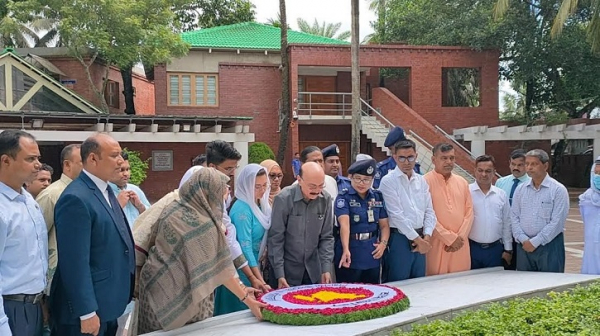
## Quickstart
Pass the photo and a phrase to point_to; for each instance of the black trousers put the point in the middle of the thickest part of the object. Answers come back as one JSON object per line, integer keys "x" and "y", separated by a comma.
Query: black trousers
{"x": 106, "y": 329}
{"x": 24, "y": 319}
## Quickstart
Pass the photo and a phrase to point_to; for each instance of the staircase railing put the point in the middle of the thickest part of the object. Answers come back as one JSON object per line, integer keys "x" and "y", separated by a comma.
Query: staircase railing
{"x": 373, "y": 110}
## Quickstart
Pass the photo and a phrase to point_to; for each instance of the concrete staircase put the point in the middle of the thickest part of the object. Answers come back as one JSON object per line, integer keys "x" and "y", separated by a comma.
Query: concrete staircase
{"x": 376, "y": 131}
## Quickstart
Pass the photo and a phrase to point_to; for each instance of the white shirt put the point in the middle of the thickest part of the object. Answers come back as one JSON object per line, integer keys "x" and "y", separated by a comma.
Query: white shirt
{"x": 102, "y": 185}
{"x": 408, "y": 203}
{"x": 491, "y": 216}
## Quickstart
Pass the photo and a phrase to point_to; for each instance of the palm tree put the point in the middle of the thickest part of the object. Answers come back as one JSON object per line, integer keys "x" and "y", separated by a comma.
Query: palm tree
{"x": 567, "y": 8}
{"x": 16, "y": 34}
{"x": 356, "y": 105}
{"x": 285, "y": 108}
{"x": 326, "y": 29}
{"x": 378, "y": 6}
{"x": 276, "y": 22}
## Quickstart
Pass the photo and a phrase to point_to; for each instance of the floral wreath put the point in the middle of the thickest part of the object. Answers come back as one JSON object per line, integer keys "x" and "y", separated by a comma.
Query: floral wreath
{"x": 332, "y": 303}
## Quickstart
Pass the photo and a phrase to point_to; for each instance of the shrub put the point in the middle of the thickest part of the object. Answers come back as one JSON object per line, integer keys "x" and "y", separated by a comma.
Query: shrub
{"x": 260, "y": 151}
{"x": 566, "y": 313}
{"x": 139, "y": 167}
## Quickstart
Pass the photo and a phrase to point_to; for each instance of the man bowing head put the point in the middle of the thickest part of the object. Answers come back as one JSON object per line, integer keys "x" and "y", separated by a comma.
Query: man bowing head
{"x": 94, "y": 280}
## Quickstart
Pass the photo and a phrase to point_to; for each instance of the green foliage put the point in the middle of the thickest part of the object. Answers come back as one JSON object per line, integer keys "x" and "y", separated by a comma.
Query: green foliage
{"x": 195, "y": 14}
{"x": 326, "y": 29}
{"x": 556, "y": 73}
{"x": 566, "y": 313}
{"x": 260, "y": 151}
{"x": 139, "y": 167}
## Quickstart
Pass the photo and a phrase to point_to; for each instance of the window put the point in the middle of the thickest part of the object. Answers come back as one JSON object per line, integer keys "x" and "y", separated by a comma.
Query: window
{"x": 460, "y": 87}
{"x": 111, "y": 94}
{"x": 193, "y": 90}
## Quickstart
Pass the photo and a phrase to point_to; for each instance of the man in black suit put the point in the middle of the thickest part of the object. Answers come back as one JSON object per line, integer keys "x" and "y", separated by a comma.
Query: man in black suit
{"x": 95, "y": 276}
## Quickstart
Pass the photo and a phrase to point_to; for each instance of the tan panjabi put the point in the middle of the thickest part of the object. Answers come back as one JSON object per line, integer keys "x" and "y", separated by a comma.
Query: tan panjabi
{"x": 269, "y": 165}
{"x": 189, "y": 258}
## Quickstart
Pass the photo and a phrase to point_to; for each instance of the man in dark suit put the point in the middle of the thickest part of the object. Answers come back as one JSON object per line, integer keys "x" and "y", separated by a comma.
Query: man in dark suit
{"x": 95, "y": 276}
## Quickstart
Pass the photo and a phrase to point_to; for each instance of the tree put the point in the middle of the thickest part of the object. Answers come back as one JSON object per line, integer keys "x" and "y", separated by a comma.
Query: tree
{"x": 356, "y": 104}
{"x": 260, "y": 151}
{"x": 285, "y": 108}
{"x": 198, "y": 14}
{"x": 276, "y": 22}
{"x": 326, "y": 29}
{"x": 120, "y": 33}
{"x": 139, "y": 167}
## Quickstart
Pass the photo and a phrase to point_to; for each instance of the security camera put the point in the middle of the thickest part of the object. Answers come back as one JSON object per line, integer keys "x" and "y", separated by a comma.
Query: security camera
{"x": 295, "y": 115}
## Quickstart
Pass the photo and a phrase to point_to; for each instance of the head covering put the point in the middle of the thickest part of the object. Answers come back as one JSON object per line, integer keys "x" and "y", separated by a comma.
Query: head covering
{"x": 361, "y": 157}
{"x": 244, "y": 191}
{"x": 396, "y": 134}
{"x": 331, "y": 150}
{"x": 190, "y": 257}
{"x": 592, "y": 195}
{"x": 364, "y": 167}
{"x": 189, "y": 174}
{"x": 269, "y": 165}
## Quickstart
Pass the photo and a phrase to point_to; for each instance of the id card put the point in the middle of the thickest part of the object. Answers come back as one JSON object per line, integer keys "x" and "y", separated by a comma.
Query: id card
{"x": 371, "y": 215}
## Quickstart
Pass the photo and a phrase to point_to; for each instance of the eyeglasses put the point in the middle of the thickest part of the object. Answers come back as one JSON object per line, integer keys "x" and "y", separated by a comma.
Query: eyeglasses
{"x": 275, "y": 176}
{"x": 404, "y": 158}
{"x": 261, "y": 186}
{"x": 362, "y": 181}
{"x": 313, "y": 187}
{"x": 228, "y": 170}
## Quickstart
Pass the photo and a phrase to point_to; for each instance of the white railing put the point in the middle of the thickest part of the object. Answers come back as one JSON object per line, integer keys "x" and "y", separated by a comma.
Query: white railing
{"x": 324, "y": 103}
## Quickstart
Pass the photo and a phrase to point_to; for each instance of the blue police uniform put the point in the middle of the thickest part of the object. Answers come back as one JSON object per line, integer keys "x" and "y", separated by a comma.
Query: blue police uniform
{"x": 396, "y": 134}
{"x": 364, "y": 215}
{"x": 333, "y": 150}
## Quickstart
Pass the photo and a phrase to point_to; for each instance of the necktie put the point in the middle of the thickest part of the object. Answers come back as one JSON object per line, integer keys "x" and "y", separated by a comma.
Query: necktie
{"x": 122, "y": 226}
{"x": 512, "y": 190}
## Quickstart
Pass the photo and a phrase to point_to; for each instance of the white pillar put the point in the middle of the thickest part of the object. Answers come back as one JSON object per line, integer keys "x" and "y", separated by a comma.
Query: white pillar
{"x": 477, "y": 147}
{"x": 242, "y": 147}
{"x": 596, "y": 148}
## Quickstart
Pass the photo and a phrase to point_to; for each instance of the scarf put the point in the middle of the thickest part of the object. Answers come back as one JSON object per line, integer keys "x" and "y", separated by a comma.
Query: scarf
{"x": 190, "y": 257}
{"x": 269, "y": 164}
{"x": 244, "y": 191}
{"x": 592, "y": 195}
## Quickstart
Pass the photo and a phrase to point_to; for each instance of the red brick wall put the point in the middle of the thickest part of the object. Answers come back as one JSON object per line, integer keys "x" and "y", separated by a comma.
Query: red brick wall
{"x": 501, "y": 150}
{"x": 144, "y": 99}
{"x": 244, "y": 90}
{"x": 426, "y": 65}
{"x": 159, "y": 183}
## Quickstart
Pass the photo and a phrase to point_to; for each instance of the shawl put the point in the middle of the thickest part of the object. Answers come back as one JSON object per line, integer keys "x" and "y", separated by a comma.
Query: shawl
{"x": 592, "y": 195}
{"x": 190, "y": 257}
{"x": 244, "y": 191}
{"x": 269, "y": 164}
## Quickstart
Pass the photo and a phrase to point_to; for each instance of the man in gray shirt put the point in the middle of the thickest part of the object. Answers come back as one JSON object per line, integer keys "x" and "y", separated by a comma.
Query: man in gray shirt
{"x": 300, "y": 241}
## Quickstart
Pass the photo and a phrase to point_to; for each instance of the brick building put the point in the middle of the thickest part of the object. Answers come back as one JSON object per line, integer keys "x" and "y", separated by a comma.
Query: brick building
{"x": 235, "y": 70}
{"x": 50, "y": 100}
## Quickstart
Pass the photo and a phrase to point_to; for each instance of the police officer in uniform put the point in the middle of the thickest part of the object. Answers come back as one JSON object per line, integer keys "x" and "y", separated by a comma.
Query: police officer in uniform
{"x": 332, "y": 166}
{"x": 363, "y": 230}
{"x": 396, "y": 134}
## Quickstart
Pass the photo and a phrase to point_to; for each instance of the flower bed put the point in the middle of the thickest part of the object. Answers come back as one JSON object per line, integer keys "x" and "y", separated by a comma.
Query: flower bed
{"x": 332, "y": 303}
{"x": 568, "y": 313}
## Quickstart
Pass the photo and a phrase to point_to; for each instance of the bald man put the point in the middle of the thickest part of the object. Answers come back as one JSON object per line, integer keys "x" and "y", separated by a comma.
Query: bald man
{"x": 94, "y": 280}
{"x": 300, "y": 241}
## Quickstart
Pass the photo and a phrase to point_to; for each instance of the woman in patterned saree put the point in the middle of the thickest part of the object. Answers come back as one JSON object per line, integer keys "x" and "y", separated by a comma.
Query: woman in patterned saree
{"x": 189, "y": 258}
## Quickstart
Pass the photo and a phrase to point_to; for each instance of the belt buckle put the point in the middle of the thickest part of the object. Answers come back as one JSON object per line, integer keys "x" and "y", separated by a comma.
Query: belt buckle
{"x": 363, "y": 236}
{"x": 37, "y": 298}
{"x": 486, "y": 245}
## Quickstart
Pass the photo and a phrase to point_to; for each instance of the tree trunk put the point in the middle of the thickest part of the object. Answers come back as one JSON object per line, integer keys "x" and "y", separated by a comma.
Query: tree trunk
{"x": 529, "y": 100}
{"x": 356, "y": 106}
{"x": 284, "y": 110}
{"x": 126, "y": 74}
{"x": 559, "y": 150}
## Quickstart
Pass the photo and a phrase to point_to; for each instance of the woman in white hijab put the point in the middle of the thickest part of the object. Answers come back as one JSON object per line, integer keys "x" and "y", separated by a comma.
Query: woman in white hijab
{"x": 250, "y": 213}
{"x": 589, "y": 206}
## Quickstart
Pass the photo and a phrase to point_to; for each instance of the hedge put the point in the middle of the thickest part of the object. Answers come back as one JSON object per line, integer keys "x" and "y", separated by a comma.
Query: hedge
{"x": 573, "y": 312}
{"x": 138, "y": 168}
{"x": 260, "y": 151}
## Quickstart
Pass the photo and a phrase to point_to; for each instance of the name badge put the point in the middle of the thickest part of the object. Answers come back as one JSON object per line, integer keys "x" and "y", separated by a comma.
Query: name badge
{"x": 371, "y": 215}
{"x": 354, "y": 203}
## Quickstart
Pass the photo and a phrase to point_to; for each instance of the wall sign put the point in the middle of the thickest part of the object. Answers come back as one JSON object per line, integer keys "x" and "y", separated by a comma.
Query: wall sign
{"x": 162, "y": 160}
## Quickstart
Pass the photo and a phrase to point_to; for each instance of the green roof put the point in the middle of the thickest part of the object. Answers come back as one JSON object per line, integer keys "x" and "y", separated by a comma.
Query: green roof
{"x": 251, "y": 35}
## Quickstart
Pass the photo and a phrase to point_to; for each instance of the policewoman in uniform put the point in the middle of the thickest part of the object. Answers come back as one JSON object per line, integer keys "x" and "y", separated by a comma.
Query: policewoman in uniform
{"x": 363, "y": 227}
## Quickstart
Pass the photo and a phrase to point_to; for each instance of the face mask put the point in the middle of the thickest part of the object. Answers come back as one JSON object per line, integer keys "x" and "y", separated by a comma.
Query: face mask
{"x": 597, "y": 181}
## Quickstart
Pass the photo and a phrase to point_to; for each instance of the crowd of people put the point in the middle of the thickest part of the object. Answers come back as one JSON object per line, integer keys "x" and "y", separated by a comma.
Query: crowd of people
{"x": 79, "y": 255}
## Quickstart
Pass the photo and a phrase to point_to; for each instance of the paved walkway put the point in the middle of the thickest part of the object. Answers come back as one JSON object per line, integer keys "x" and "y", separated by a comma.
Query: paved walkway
{"x": 574, "y": 234}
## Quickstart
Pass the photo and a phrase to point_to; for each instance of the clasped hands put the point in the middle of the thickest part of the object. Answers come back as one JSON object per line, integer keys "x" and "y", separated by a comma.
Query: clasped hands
{"x": 456, "y": 245}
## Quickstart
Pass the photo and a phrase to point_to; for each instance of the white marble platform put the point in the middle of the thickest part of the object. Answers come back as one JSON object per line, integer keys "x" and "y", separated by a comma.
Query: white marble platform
{"x": 430, "y": 297}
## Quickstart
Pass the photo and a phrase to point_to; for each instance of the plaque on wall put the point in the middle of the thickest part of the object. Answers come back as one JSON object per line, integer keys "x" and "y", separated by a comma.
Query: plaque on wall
{"x": 162, "y": 160}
